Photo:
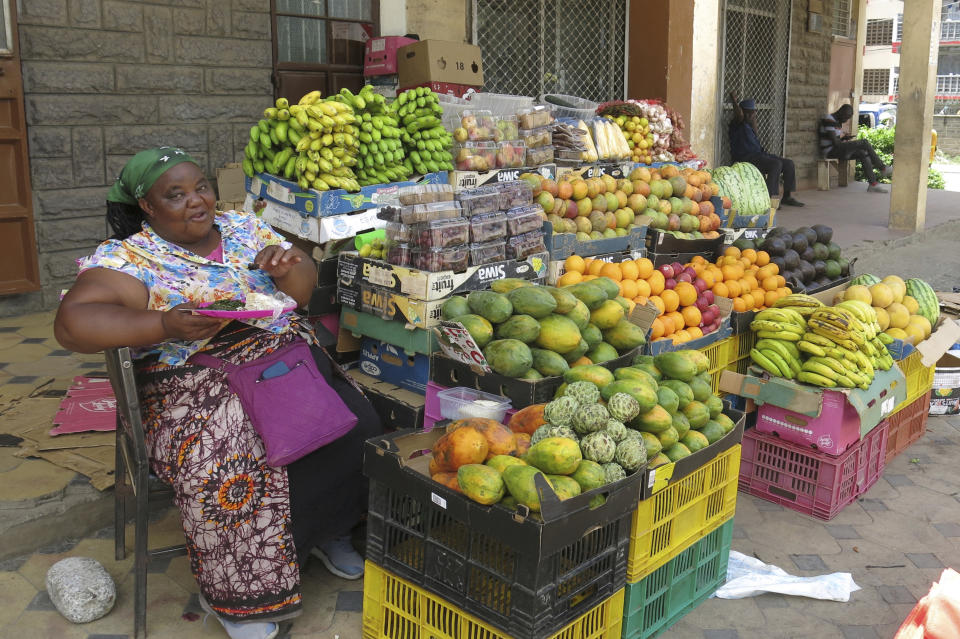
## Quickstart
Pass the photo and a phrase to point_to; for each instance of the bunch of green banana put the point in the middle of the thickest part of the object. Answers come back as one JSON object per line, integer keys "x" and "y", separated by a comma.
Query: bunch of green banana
{"x": 842, "y": 347}
{"x": 380, "y": 150}
{"x": 426, "y": 142}
{"x": 270, "y": 149}
{"x": 778, "y": 330}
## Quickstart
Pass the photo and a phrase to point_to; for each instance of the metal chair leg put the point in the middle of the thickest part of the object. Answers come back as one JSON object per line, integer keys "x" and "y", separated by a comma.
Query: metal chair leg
{"x": 119, "y": 505}
{"x": 141, "y": 557}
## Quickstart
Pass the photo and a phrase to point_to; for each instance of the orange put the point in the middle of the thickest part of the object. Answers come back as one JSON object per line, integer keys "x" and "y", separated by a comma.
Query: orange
{"x": 781, "y": 282}
{"x": 747, "y": 301}
{"x": 763, "y": 258}
{"x": 568, "y": 278}
{"x": 731, "y": 251}
{"x": 698, "y": 259}
{"x": 671, "y": 300}
{"x": 766, "y": 271}
{"x": 749, "y": 277}
{"x": 720, "y": 289}
{"x": 587, "y": 278}
{"x": 656, "y": 331}
{"x": 574, "y": 263}
{"x": 695, "y": 332}
{"x": 643, "y": 288}
{"x": 668, "y": 327}
{"x": 656, "y": 281}
{"x": 731, "y": 260}
{"x": 678, "y": 321}
{"x": 628, "y": 289}
{"x": 680, "y": 337}
{"x": 691, "y": 316}
{"x": 595, "y": 267}
{"x": 687, "y": 293}
{"x": 744, "y": 285}
{"x": 612, "y": 271}
{"x": 630, "y": 270}
{"x": 759, "y": 295}
{"x": 587, "y": 261}
{"x": 632, "y": 306}
{"x": 749, "y": 254}
{"x": 707, "y": 276}
{"x": 734, "y": 287}
{"x": 746, "y": 262}
{"x": 641, "y": 300}
{"x": 658, "y": 302}
{"x": 770, "y": 297}
{"x": 739, "y": 305}
{"x": 732, "y": 272}
{"x": 769, "y": 284}
{"x": 645, "y": 267}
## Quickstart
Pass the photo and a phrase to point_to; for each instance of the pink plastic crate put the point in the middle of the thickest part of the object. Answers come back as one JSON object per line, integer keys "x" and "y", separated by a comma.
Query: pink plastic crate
{"x": 380, "y": 56}
{"x": 808, "y": 481}
{"x": 431, "y": 407}
{"x": 835, "y": 430}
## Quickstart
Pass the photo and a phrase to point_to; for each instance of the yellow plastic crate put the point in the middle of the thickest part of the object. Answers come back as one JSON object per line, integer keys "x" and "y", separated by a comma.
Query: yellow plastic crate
{"x": 719, "y": 354}
{"x": 919, "y": 379}
{"x": 679, "y": 515}
{"x": 393, "y": 608}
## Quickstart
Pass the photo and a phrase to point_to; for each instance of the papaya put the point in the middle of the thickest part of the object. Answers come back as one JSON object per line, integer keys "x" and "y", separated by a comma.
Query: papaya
{"x": 527, "y": 420}
{"x": 509, "y": 357}
{"x": 712, "y": 431}
{"x": 580, "y": 315}
{"x": 434, "y": 466}
{"x": 611, "y": 288}
{"x": 500, "y": 439}
{"x": 520, "y": 327}
{"x": 523, "y": 443}
{"x": 700, "y": 359}
{"x": 677, "y": 452}
{"x": 454, "y": 308}
{"x": 697, "y": 413}
{"x": 479, "y": 328}
{"x": 725, "y": 422}
{"x": 606, "y": 315}
{"x": 668, "y": 437}
{"x": 493, "y": 307}
{"x": 644, "y": 393}
{"x": 589, "y": 293}
{"x": 652, "y": 443}
{"x": 532, "y": 301}
{"x": 658, "y": 460}
{"x": 447, "y": 479}
{"x": 680, "y": 424}
{"x": 714, "y": 405}
{"x": 675, "y": 365}
{"x": 558, "y": 333}
{"x": 564, "y": 486}
{"x": 694, "y": 441}
{"x": 508, "y": 284}
{"x": 602, "y": 352}
{"x": 684, "y": 394}
{"x": 481, "y": 483}
{"x": 589, "y": 475}
{"x": 499, "y": 462}
{"x": 632, "y": 372}
{"x": 624, "y": 336}
{"x": 701, "y": 390}
{"x": 591, "y": 334}
{"x": 668, "y": 399}
{"x": 531, "y": 374}
{"x": 576, "y": 354}
{"x": 509, "y": 502}
{"x": 645, "y": 363}
{"x": 555, "y": 455}
{"x": 548, "y": 363}
{"x": 594, "y": 373}
{"x": 521, "y": 485}
{"x": 656, "y": 420}
{"x": 564, "y": 299}
{"x": 460, "y": 447}
{"x": 623, "y": 302}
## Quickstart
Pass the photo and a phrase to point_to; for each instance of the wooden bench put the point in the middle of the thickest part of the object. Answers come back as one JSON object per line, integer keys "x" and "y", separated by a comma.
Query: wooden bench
{"x": 823, "y": 172}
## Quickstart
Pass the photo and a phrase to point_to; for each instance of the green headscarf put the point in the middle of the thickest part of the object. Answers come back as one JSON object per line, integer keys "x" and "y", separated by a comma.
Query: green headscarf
{"x": 143, "y": 169}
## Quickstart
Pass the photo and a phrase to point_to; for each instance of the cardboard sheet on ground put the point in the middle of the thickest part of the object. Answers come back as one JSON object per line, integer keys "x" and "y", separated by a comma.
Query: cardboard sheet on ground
{"x": 95, "y": 462}
{"x": 748, "y": 577}
{"x": 89, "y": 406}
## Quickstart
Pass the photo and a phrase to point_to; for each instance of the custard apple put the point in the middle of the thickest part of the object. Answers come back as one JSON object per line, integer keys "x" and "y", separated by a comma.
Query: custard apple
{"x": 631, "y": 454}
{"x": 590, "y": 418}
{"x": 549, "y": 430}
{"x": 583, "y": 392}
{"x": 623, "y": 407}
{"x": 632, "y": 434}
{"x": 598, "y": 447}
{"x": 615, "y": 429}
{"x": 613, "y": 472}
{"x": 560, "y": 411}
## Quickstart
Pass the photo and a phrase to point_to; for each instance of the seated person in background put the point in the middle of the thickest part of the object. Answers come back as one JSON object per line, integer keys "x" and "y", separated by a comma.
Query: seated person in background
{"x": 249, "y": 526}
{"x": 745, "y": 147}
{"x": 835, "y": 143}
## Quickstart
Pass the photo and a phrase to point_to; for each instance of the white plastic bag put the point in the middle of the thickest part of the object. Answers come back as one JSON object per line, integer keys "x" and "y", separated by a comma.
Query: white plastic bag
{"x": 747, "y": 577}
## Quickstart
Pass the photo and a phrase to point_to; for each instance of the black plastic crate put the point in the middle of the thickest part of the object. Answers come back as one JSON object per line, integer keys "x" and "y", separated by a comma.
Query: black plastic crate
{"x": 526, "y": 574}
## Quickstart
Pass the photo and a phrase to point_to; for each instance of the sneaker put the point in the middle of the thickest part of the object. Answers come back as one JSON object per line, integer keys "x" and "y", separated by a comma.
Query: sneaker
{"x": 248, "y": 630}
{"x": 876, "y": 188}
{"x": 791, "y": 201}
{"x": 340, "y": 558}
{"x": 887, "y": 171}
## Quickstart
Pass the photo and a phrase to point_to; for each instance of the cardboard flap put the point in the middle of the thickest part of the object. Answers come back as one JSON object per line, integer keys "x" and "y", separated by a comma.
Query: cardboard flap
{"x": 941, "y": 341}
{"x": 806, "y": 400}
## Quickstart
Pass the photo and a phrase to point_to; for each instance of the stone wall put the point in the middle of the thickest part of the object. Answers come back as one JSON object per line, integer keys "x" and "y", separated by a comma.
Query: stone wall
{"x": 948, "y": 133}
{"x": 104, "y": 79}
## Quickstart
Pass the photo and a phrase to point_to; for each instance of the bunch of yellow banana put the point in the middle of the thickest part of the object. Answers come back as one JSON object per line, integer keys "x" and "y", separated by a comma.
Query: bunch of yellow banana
{"x": 805, "y": 305}
{"x": 842, "y": 347}
{"x": 778, "y": 330}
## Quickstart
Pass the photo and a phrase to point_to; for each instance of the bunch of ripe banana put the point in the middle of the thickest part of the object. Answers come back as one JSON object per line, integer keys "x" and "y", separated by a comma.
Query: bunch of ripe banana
{"x": 381, "y": 154}
{"x": 313, "y": 141}
{"x": 778, "y": 331}
{"x": 426, "y": 142}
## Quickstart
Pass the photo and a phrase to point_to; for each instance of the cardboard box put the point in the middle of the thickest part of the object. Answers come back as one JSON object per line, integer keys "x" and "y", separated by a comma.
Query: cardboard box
{"x": 231, "y": 185}
{"x": 391, "y": 364}
{"x": 828, "y": 420}
{"x": 323, "y": 300}
{"x": 380, "y": 54}
{"x": 439, "y": 61}
{"x": 397, "y": 407}
{"x": 423, "y": 285}
{"x": 729, "y": 218}
{"x": 409, "y": 340}
{"x": 390, "y": 305}
{"x": 461, "y": 180}
{"x": 230, "y": 206}
{"x": 320, "y": 230}
{"x": 615, "y": 170}
{"x": 643, "y": 316}
{"x": 945, "y": 398}
{"x": 660, "y": 242}
{"x": 732, "y": 235}
{"x": 563, "y": 245}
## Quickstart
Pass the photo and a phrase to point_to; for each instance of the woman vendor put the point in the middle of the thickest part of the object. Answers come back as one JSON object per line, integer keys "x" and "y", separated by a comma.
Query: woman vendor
{"x": 248, "y": 526}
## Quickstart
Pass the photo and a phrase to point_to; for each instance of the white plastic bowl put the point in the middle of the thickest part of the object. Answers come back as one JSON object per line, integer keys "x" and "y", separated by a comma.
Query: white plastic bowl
{"x": 463, "y": 403}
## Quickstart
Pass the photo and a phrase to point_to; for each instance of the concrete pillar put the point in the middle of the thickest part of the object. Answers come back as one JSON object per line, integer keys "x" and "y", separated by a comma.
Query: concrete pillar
{"x": 918, "y": 69}
{"x": 701, "y": 129}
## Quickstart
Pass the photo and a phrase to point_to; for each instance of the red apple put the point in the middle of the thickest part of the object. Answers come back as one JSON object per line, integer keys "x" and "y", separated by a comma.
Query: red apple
{"x": 691, "y": 271}
{"x": 716, "y": 310}
{"x": 670, "y": 283}
{"x": 667, "y": 271}
{"x": 684, "y": 277}
{"x": 706, "y": 316}
{"x": 677, "y": 268}
{"x": 701, "y": 284}
{"x": 708, "y": 295}
{"x": 571, "y": 209}
{"x": 702, "y": 303}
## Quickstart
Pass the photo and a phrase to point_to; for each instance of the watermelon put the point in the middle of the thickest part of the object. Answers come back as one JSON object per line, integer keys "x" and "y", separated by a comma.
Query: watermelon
{"x": 929, "y": 306}
{"x": 744, "y": 185}
{"x": 865, "y": 279}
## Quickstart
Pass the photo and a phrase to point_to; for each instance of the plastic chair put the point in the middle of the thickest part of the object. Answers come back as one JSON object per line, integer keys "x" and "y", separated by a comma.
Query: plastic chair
{"x": 132, "y": 478}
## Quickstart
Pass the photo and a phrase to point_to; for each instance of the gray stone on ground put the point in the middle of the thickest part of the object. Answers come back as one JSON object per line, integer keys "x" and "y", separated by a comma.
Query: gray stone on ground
{"x": 81, "y": 589}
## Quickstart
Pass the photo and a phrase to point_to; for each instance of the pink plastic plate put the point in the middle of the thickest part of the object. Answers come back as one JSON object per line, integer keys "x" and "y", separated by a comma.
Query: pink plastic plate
{"x": 238, "y": 314}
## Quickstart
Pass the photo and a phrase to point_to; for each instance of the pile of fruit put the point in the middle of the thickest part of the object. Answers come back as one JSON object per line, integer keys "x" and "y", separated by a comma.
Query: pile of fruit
{"x": 681, "y": 293}
{"x": 906, "y": 311}
{"x": 531, "y": 332}
{"x": 602, "y": 427}
{"x": 645, "y": 125}
{"x": 807, "y": 258}
{"x": 381, "y": 154}
{"x": 744, "y": 185}
{"x": 426, "y": 143}
{"x": 679, "y": 202}
{"x": 829, "y": 346}
{"x": 749, "y": 277}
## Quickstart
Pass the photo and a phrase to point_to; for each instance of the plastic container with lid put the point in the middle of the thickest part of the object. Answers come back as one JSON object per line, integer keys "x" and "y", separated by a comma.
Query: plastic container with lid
{"x": 455, "y": 258}
{"x": 532, "y": 117}
{"x": 482, "y": 199}
{"x": 539, "y": 155}
{"x": 488, "y": 226}
{"x": 475, "y": 156}
{"x": 533, "y": 138}
{"x": 479, "y": 125}
{"x": 505, "y": 128}
{"x": 425, "y": 194}
{"x": 464, "y": 403}
{"x": 441, "y": 233}
{"x": 399, "y": 254}
{"x": 514, "y": 193}
{"x": 389, "y": 213}
{"x": 521, "y": 246}
{"x": 398, "y": 232}
{"x": 427, "y": 212}
{"x": 511, "y": 155}
{"x": 523, "y": 219}
{"x": 488, "y": 252}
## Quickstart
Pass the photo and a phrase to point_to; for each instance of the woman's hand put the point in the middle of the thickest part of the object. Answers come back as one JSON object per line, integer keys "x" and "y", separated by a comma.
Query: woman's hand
{"x": 180, "y": 323}
{"x": 277, "y": 261}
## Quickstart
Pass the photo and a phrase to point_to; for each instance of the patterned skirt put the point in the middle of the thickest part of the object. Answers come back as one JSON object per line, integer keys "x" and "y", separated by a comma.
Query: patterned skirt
{"x": 243, "y": 520}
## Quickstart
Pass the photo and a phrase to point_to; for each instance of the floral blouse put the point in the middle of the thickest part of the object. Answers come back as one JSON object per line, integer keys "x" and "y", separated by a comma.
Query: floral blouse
{"x": 175, "y": 276}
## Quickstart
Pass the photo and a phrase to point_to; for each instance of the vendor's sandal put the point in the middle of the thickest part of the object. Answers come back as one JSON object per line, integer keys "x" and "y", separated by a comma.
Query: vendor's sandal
{"x": 248, "y": 630}
{"x": 340, "y": 558}
{"x": 790, "y": 201}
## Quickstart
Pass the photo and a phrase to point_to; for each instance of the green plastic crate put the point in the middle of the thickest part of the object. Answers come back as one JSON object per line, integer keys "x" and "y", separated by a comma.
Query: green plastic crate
{"x": 661, "y": 599}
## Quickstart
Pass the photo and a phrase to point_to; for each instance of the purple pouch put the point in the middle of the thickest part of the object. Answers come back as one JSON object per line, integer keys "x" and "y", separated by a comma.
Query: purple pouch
{"x": 292, "y": 407}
